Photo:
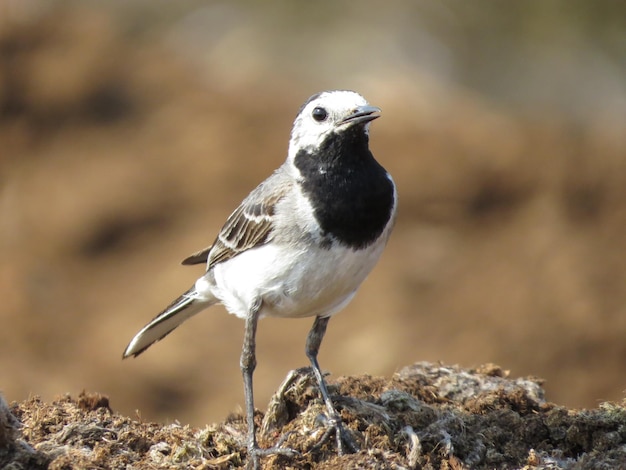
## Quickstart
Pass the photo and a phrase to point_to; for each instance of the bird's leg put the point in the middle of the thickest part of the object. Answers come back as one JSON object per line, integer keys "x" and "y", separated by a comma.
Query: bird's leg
{"x": 248, "y": 364}
{"x": 313, "y": 342}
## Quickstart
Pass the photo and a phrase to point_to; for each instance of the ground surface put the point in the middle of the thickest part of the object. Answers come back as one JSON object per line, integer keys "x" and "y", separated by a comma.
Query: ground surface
{"x": 424, "y": 416}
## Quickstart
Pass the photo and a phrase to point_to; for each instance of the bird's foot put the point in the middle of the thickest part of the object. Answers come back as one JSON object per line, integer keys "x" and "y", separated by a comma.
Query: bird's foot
{"x": 343, "y": 437}
{"x": 255, "y": 453}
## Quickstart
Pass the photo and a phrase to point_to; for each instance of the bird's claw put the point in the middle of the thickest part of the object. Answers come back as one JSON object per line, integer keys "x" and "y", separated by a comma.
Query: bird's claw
{"x": 343, "y": 437}
{"x": 255, "y": 454}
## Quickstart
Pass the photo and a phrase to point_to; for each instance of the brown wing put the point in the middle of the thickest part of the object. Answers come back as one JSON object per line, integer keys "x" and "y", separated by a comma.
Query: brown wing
{"x": 248, "y": 226}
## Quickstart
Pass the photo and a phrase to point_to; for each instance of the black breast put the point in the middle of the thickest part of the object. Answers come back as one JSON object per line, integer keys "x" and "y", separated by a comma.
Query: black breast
{"x": 351, "y": 193}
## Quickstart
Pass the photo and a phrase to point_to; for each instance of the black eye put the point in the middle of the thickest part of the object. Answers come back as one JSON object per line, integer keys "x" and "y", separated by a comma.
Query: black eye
{"x": 319, "y": 114}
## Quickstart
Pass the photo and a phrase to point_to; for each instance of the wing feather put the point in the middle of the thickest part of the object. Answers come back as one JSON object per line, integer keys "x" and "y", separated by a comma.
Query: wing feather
{"x": 198, "y": 257}
{"x": 250, "y": 225}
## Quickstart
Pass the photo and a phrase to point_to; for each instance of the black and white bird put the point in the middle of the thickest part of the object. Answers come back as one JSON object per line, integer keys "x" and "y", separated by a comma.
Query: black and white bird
{"x": 299, "y": 245}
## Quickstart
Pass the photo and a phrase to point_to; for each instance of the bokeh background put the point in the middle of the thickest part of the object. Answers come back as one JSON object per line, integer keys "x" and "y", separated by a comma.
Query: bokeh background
{"x": 129, "y": 131}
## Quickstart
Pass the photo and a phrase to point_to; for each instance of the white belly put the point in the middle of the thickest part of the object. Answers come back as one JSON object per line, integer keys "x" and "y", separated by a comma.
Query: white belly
{"x": 290, "y": 281}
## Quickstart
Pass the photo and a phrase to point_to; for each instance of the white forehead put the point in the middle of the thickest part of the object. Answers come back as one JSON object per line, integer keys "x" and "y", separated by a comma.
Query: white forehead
{"x": 341, "y": 101}
{"x": 307, "y": 133}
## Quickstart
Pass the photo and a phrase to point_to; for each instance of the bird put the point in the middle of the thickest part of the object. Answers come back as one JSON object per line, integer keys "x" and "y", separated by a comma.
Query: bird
{"x": 299, "y": 245}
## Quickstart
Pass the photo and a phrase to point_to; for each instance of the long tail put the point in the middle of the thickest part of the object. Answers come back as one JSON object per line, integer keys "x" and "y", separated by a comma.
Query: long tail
{"x": 184, "y": 307}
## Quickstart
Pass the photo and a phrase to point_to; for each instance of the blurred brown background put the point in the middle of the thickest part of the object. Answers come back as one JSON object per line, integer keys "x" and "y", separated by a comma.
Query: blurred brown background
{"x": 128, "y": 132}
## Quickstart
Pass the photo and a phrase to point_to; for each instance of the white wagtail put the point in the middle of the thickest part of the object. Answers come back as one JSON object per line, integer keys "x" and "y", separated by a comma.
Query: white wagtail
{"x": 299, "y": 245}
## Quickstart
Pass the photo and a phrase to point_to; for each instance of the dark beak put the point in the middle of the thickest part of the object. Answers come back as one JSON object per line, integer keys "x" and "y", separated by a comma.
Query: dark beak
{"x": 361, "y": 115}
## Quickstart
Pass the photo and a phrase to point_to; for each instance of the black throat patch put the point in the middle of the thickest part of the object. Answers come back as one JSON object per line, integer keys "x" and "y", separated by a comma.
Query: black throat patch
{"x": 351, "y": 194}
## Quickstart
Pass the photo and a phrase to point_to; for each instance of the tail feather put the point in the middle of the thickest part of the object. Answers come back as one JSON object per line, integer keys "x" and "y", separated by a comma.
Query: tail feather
{"x": 184, "y": 307}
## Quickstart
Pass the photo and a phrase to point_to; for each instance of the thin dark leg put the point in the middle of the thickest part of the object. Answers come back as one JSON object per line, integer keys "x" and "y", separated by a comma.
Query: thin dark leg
{"x": 248, "y": 364}
{"x": 313, "y": 342}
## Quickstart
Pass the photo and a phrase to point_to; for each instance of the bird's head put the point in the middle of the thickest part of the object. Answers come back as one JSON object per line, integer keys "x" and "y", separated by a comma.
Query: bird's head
{"x": 330, "y": 114}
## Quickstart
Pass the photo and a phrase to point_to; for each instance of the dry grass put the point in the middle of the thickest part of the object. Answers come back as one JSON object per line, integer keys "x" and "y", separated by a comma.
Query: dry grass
{"x": 425, "y": 416}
